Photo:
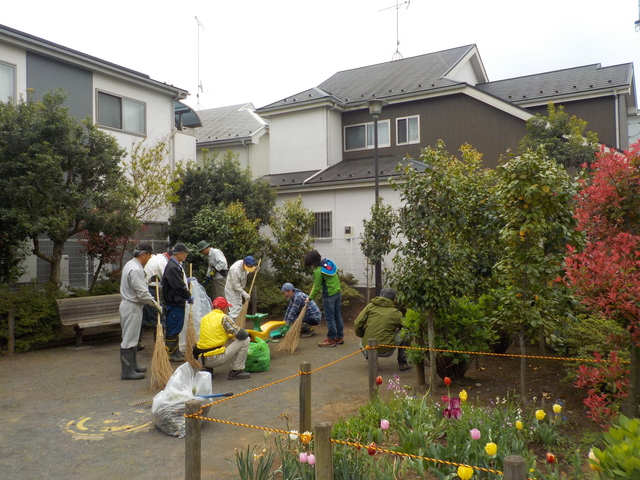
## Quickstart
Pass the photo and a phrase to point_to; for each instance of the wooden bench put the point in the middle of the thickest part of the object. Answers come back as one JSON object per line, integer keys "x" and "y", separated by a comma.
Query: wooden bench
{"x": 88, "y": 312}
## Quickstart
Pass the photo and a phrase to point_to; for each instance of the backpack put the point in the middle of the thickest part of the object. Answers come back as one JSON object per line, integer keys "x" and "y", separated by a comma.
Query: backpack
{"x": 328, "y": 267}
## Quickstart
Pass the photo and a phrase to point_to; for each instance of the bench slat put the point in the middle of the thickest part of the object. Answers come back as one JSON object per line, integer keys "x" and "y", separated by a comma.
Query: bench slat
{"x": 88, "y": 312}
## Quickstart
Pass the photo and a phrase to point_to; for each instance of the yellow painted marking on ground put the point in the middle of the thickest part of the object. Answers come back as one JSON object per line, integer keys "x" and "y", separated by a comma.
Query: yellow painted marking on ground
{"x": 110, "y": 421}
{"x": 80, "y": 424}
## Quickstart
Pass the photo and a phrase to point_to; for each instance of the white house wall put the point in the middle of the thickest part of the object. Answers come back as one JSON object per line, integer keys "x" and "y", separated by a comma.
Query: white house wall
{"x": 18, "y": 58}
{"x": 349, "y": 207}
{"x": 299, "y": 141}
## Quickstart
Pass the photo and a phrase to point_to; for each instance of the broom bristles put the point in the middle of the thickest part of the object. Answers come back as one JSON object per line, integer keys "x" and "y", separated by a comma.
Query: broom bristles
{"x": 292, "y": 337}
{"x": 241, "y": 319}
{"x": 191, "y": 341}
{"x": 161, "y": 370}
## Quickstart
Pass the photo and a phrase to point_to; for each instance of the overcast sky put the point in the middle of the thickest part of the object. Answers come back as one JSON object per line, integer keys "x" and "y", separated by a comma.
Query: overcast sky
{"x": 261, "y": 51}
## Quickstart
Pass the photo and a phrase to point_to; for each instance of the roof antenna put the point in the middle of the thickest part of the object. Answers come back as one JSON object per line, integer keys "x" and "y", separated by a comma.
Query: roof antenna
{"x": 637, "y": 22}
{"x": 398, "y": 55}
{"x": 200, "y": 89}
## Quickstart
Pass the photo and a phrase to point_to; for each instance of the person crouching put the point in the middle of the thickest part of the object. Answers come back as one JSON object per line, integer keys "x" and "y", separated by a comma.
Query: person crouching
{"x": 215, "y": 329}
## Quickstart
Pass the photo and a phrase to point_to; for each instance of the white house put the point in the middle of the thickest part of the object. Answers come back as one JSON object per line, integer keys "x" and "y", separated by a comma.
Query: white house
{"x": 127, "y": 104}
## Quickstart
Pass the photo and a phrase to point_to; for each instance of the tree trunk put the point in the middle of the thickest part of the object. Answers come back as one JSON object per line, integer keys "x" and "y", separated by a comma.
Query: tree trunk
{"x": 432, "y": 353}
{"x": 630, "y": 404}
{"x": 523, "y": 363}
{"x": 94, "y": 280}
{"x": 54, "y": 259}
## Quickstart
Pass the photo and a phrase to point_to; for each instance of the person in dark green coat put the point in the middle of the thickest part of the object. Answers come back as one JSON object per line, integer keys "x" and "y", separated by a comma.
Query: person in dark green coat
{"x": 382, "y": 320}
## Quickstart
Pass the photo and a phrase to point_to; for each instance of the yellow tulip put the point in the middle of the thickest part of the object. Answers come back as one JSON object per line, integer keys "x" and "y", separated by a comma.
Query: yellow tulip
{"x": 557, "y": 408}
{"x": 592, "y": 456}
{"x": 519, "y": 425}
{"x": 540, "y": 414}
{"x": 464, "y": 472}
{"x": 491, "y": 449}
{"x": 463, "y": 396}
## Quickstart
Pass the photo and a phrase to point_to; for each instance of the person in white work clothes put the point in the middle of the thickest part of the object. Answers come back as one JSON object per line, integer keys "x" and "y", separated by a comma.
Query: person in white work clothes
{"x": 235, "y": 292}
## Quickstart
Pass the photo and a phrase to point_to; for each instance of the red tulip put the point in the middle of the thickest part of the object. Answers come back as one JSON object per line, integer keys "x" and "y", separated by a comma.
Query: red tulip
{"x": 371, "y": 449}
{"x": 378, "y": 380}
{"x": 445, "y": 398}
{"x": 551, "y": 458}
{"x": 447, "y": 381}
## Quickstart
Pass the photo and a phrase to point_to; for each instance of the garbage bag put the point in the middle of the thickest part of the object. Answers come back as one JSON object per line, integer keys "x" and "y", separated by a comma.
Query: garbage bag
{"x": 168, "y": 406}
{"x": 201, "y": 306}
{"x": 258, "y": 357}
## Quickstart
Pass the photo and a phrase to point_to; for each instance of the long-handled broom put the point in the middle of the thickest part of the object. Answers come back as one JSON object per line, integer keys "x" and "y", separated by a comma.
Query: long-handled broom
{"x": 161, "y": 370}
{"x": 292, "y": 337}
{"x": 191, "y": 332}
{"x": 242, "y": 316}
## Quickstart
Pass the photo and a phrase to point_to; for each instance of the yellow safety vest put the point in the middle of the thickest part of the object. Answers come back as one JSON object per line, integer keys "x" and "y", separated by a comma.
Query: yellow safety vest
{"x": 212, "y": 333}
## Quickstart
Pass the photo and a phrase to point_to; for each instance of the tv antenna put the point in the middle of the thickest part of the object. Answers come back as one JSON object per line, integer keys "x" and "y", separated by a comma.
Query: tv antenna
{"x": 200, "y": 89}
{"x": 398, "y": 55}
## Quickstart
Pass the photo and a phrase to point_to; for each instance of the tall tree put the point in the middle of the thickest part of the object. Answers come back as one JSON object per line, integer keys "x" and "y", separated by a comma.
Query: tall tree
{"x": 606, "y": 275}
{"x": 536, "y": 196}
{"x": 219, "y": 181}
{"x": 290, "y": 226}
{"x": 57, "y": 174}
{"x": 561, "y": 137}
{"x": 377, "y": 241}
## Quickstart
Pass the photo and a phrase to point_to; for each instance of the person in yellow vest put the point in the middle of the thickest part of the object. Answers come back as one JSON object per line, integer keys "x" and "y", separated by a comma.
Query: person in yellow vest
{"x": 215, "y": 329}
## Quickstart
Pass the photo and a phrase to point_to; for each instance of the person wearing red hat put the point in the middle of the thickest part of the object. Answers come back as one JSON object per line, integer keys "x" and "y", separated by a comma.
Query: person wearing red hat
{"x": 215, "y": 329}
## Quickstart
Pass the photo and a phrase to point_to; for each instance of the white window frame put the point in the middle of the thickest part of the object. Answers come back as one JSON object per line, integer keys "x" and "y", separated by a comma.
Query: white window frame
{"x": 408, "y": 140}
{"x": 369, "y": 126}
{"x": 322, "y": 219}
{"x": 124, "y": 102}
{"x": 12, "y": 94}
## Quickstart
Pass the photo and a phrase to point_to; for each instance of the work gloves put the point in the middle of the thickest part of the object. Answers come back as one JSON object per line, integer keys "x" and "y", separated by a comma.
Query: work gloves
{"x": 157, "y": 307}
{"x": 245, "y": 295}
{"x": 242, "y": 334}
{"x": 191, "y": 300}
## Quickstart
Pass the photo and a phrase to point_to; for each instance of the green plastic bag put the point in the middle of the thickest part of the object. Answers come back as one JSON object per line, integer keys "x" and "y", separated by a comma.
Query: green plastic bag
{"x": 258, "y": 357}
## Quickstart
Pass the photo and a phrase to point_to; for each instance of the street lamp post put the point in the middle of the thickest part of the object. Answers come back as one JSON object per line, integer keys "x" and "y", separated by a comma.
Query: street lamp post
{"x": 375, "y": 108}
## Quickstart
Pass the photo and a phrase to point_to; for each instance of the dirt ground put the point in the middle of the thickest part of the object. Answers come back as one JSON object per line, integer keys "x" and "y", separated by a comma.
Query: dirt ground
{"x": 65, "y": 414}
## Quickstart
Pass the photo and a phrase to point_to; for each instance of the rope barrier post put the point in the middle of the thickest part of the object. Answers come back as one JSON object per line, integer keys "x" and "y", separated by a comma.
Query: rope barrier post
{"x": 372, "y": 356}
{"x": 193, "y": 442}
{"x": 305, "y": 397}
{"x": 324, "y": 456}
{"x": 515, "y": 468}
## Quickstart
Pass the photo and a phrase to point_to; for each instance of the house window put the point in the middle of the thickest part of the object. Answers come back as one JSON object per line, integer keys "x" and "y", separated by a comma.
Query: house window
{"x": 121, "y": 113}
{"x": 322, "y": 227}
{"x": 360, "y": 137}
{"x": 7, "y": 82}
{"x": 408, "y": 130}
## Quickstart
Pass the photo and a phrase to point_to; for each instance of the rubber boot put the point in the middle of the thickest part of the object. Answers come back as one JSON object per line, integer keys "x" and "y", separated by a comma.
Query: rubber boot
{"x": 402, "y": 360}
{"x": 173, "y": 349}
{"x": 137, "y": 367}
{"x": 127, "y": 360}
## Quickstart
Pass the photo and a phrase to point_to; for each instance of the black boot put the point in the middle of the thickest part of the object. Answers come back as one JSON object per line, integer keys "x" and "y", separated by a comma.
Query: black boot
{"x": 238, "y": 375}
{"x": 127, "y": 360}
{"x": 402, "y": 360}
{"x": 173, "y": 349}
{"x": 137, "y": 367}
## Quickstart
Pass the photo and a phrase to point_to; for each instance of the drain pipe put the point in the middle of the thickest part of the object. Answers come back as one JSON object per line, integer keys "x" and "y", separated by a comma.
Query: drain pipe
{"x": 617, "y": 113}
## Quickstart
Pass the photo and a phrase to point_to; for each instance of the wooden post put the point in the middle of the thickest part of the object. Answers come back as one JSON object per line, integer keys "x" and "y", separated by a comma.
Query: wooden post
{"x": 432, "y": 353}
{"x": 305, "y": 398}
{"x": 324, "y": 457}
{"x": 372, "y": 356}
{"x": 254, "y": 300}
{"x": 11, "y": 341}
{"x": 192, "y": 442}
{"x": 515, "y": 468}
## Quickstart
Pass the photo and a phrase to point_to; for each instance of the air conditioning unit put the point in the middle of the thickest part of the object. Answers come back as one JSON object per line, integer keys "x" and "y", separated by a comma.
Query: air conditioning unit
{"x": 348, "y": 231}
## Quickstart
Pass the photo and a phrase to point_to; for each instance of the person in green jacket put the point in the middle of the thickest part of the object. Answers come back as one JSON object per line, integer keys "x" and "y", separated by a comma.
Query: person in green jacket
{"x": 382, "y": 320}
{"x": 325, "y": 279}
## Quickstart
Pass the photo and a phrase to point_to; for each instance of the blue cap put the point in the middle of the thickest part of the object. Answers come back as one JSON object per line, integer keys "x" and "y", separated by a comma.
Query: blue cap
{"x": 249, "y": 261}
{"x": 287, "y": 287}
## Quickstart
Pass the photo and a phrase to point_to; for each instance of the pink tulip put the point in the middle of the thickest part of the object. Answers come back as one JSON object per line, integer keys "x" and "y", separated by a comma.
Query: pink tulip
{"x": 304, "y": 457}
{"x": 312, "y": 459}
{"x": 445, "y": 399}
{"x": 384, "y": 424}
{"x": 475, "y": 434}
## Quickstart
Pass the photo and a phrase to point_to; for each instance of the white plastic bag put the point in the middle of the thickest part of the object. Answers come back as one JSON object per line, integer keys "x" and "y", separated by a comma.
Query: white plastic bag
{"x": 168, "y": 405}
{"x": 201, "y": 306}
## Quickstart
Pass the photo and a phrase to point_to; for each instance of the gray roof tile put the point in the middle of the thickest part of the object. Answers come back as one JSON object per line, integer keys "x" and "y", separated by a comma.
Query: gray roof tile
{"x": 227, "y": 123}
{"x": 569, "y": 81}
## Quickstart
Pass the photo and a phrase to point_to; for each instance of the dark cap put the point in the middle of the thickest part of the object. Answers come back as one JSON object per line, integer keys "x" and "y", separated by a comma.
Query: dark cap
{"x": 179, "y": 247}
{"x": 287, "y": 287}
{"x": 249, "y": 261}
{"x": 202, "y": 245}
{"x": 145, "y": 247}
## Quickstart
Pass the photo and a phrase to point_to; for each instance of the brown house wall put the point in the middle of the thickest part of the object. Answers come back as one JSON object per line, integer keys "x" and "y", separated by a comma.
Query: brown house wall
{"x": 597, "y": 112}
{"x": 456, "y": 119}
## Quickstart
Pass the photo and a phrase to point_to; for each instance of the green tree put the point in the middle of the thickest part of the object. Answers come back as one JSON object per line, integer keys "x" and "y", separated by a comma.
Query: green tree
{"x": 290, "y": 227}
{"x": 561, "y": 137}
{"x": 56, "y": 174}
{"x": 433, "y": 263}
{"x": 377, "y": 240}
{"x": 218, "y": 181}
{"x": 229, "y": 229}
{"x": 537, "y": 199}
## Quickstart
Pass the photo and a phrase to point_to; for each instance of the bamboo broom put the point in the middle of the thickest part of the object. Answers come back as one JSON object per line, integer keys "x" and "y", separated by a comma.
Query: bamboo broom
{"x": 241, "y": 320}
{"x": 292, "y": 337}
{"x": 191, "y": 332}
{"x": 161, "y": 370}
